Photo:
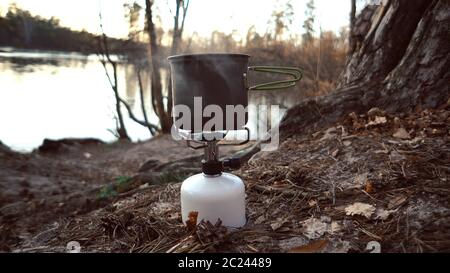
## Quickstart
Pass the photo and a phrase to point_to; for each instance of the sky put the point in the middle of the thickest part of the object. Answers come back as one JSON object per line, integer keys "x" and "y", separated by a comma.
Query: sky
{"x": 204, "y": 16}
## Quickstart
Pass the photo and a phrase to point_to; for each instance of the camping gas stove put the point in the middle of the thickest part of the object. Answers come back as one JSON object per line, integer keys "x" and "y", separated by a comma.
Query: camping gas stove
{"x": 216, "y": 83}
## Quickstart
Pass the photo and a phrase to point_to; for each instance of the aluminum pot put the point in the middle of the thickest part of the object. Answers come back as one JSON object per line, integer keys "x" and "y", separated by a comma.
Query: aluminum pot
{"x": 218, "y": 79}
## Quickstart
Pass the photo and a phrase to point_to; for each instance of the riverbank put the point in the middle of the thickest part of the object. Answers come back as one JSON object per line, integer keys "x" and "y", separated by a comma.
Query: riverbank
{"x": 66, "y": 178}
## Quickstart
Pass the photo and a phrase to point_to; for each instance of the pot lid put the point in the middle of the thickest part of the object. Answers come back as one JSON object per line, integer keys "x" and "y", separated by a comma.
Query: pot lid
{"x": 206, "y": 56}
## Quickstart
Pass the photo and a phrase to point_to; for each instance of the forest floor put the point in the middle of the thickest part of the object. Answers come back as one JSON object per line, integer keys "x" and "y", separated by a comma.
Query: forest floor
{"x": 373, "y": 180}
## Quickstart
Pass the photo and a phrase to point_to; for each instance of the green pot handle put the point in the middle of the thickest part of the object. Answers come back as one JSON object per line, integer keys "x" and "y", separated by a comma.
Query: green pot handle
{"x": 296, "y": 74}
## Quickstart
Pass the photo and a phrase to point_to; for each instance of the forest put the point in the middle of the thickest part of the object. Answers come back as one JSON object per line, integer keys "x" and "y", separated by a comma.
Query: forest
{"x": 20, "y": 29}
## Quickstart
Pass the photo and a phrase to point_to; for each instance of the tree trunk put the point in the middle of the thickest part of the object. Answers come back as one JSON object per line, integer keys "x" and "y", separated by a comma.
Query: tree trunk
{"x": 383, "y": 47}
{"x": 402, "y": 65}
{"x": 351, "y": 39}
{"x": 121, "y": 129}
{"x": 181, "y": 5}
{"x": 155, "y": 68}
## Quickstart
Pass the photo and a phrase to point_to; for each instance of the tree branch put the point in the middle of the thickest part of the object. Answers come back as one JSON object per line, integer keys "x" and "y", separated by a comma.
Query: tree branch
{"x": 144, "y": 113}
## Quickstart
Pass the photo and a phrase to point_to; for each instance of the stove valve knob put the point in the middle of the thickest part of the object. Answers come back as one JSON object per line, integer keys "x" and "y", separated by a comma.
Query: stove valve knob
{"x": 232, "y": 163}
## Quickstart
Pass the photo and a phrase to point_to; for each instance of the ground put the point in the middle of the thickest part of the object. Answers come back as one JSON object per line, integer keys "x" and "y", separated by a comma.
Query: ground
{"x": 373, "y": 182}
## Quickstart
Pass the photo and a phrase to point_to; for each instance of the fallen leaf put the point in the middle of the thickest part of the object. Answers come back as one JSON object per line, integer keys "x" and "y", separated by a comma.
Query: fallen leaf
{"x": 191, "y": 223}
{"x": 369, "y": 187}
{"x": 314, "y": 228}
{"x": 335, "y": 227}
{"x": 340, "y": 246}
{"x": 401, "y": 133}
{"x": 335, "y": 153}
{"x": 360, "y": 180}
{"x": 278, "y": 224}
{"x": 347, "y": 143}
{"x": 382, "y": 214}
{"x": 313, "y": 247}
{"x": 374, "y": 112}
{"x": 290, "y": 243}
{"x": 377, "y": 121}
{"x": 312, "y": 203}
{"x": 175, "y": 215}
{"x": 362, "y": 209}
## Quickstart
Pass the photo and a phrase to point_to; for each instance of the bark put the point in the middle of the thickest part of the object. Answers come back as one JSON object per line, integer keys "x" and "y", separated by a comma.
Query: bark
{"x": 419, "y": 79}
{"x": 351, "y": 40}
{"x": 121, "y": 130}
{"x": 383, "y": 47}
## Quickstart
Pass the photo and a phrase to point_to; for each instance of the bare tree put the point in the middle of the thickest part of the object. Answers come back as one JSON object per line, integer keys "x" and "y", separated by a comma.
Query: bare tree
{"x": 155, "y": 70}
{"x": 351, "y": 40}
{"x": 163, "y": 108}
{"x": 104, "y": 50}
{"x": 181, "y": 7}
{"x": 105, "y": 58}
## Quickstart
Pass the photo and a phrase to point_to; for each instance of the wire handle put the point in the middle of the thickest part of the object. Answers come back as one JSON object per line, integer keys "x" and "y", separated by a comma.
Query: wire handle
{"x": 296, "y": 74}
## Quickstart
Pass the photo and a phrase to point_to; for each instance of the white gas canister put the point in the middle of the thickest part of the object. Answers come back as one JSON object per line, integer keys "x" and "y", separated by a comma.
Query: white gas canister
{"x": 214, "y": 197}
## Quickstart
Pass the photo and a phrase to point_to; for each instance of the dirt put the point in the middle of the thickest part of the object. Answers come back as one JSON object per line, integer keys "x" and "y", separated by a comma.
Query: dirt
{"x": 66, "y": 178}
{"x": 373, "y": 182}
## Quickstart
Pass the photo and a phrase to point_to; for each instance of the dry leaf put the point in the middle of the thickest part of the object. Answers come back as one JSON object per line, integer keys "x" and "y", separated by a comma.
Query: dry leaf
{"x": 335, "y": 153}
{"x": 278, "y": 223}
{"x": 369, "y": 187}
{"x": 377, "y": 121}
{"x": 340, "y": 246}
{"x": 347, "y": 143}
{"x": 382, "y": 214}
{"x": 401, "y": 133}
{"x": 374, "y": 112}
{"x": 335, "y": 227}
{"x": 312, "y": 203}
{"x": 313, "y": 247}
{"x": 175, "y": 215}
{"x": 191, "y": 223}
{"x": 314, "y": 228}
{"x": 362, "y": 209}
{"x": 360, "y": 180}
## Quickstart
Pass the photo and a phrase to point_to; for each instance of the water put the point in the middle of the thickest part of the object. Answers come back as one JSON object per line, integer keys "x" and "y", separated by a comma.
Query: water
{"x": 60, "y": 95}
{"x": 67, "y": 95}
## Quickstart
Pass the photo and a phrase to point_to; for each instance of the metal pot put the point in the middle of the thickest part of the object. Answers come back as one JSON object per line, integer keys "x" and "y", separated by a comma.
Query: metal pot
{"x": 219, "y": 79}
